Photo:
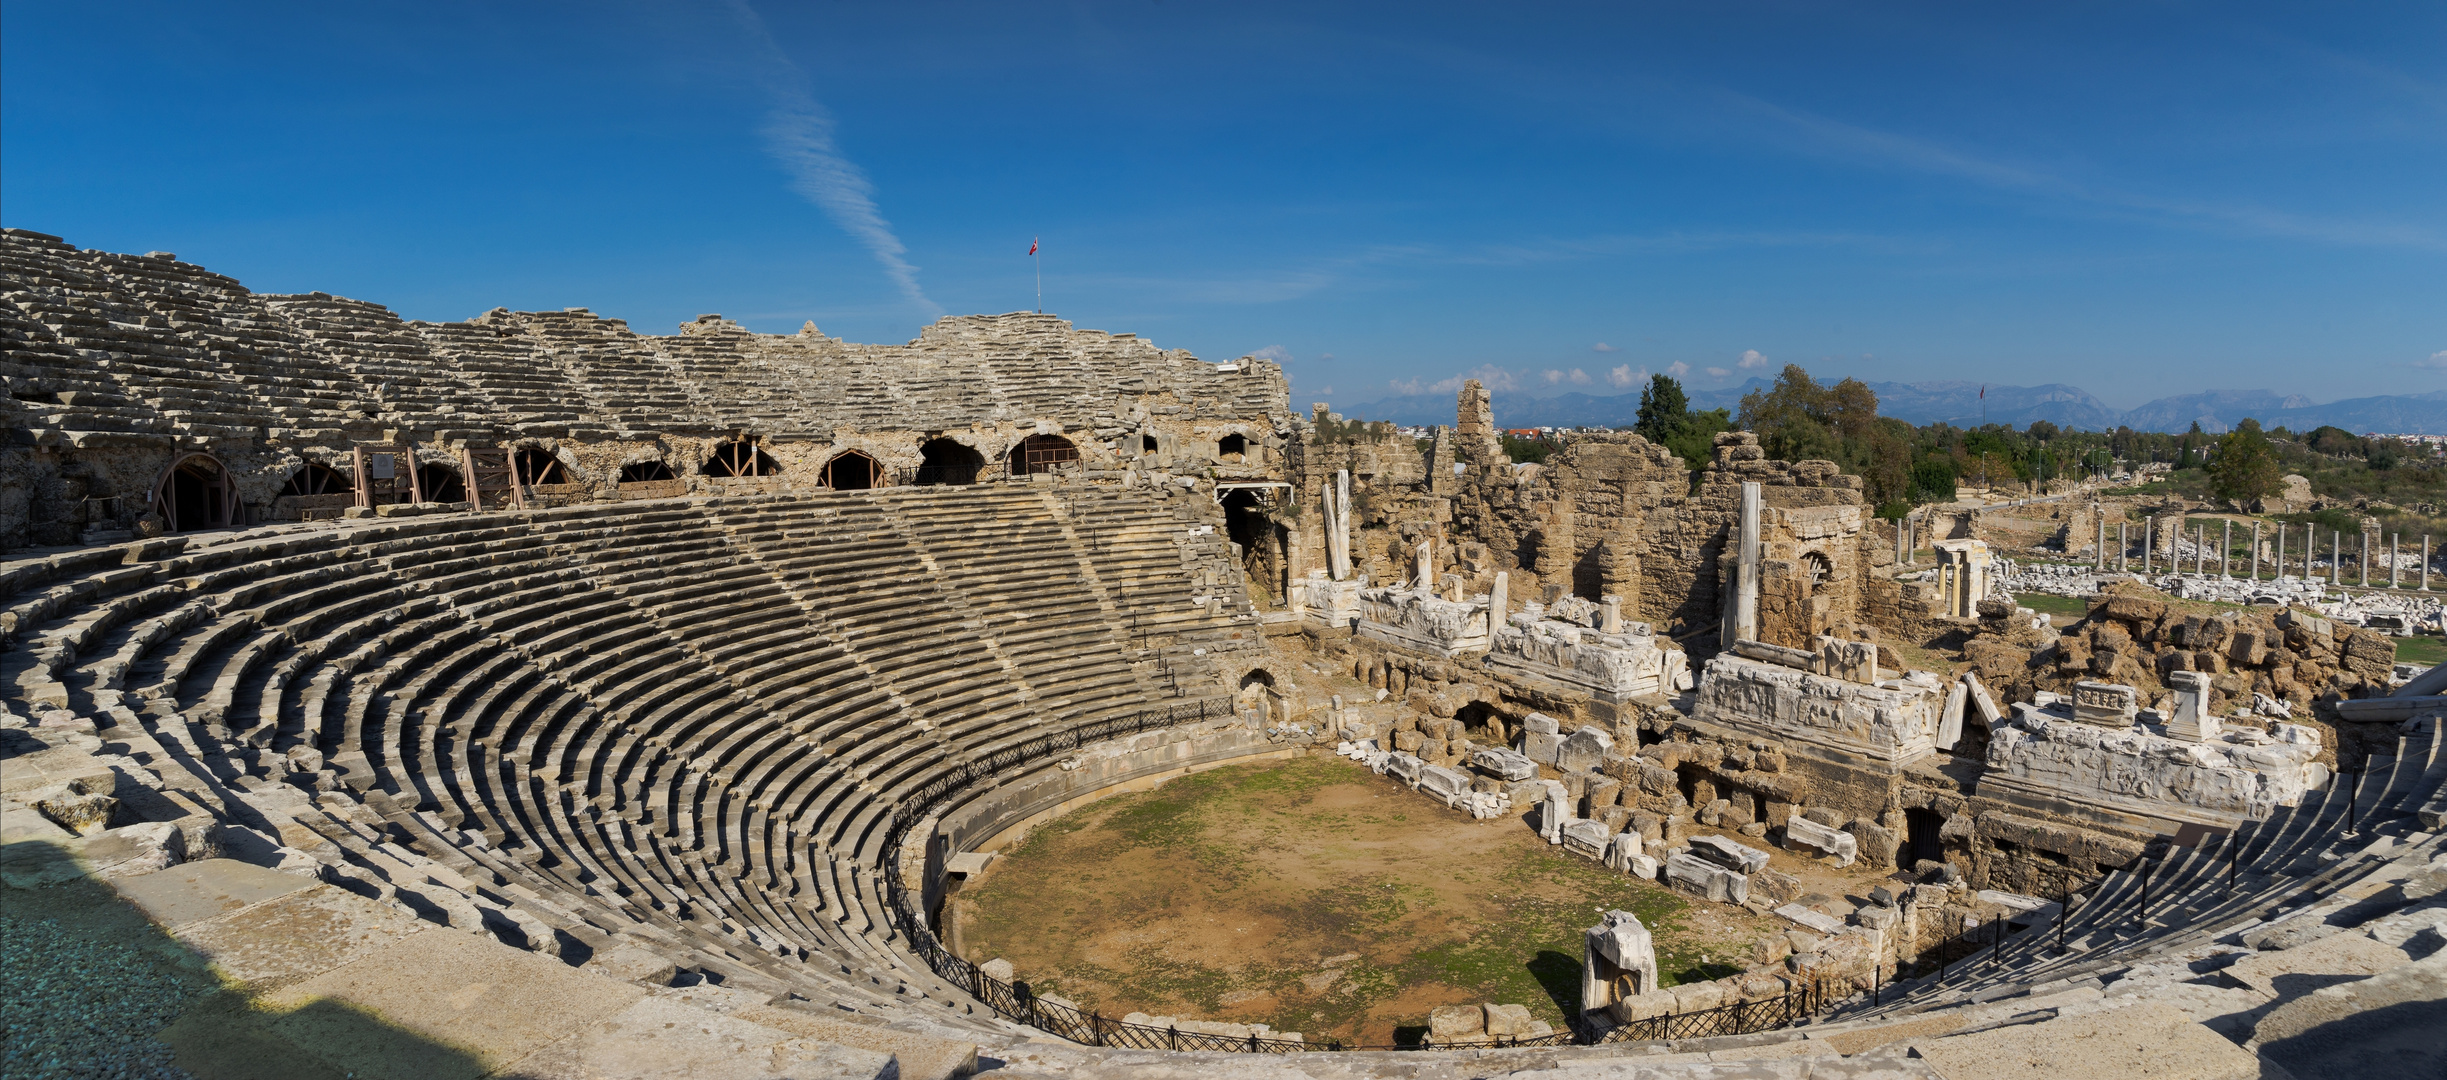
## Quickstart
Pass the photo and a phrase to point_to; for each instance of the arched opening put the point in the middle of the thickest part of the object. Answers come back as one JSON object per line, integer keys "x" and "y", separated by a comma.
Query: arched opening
{"x": 1147, "y": 444}
{"x": 316, "y": 479}
{"x": 853, "y": 470}
{"x": 1246, "y": 523}
{"x": 1817, "y": 570}
{"x": 441, "y": 483}
{"x": 535, "y": 466}
{"x": 1257, "y": 695}
{"x": 1232, "y": 448}
{"x": 641, "y": 472}
{"x": 1040, "y": 453}
{"x": 740, "y": 458}
{"x": 196, "y": 493}
{"x": 945, "y": 461}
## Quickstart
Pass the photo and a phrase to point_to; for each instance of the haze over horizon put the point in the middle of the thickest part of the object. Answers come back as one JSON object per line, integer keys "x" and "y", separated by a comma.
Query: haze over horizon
{"x": 2138, "y": 201}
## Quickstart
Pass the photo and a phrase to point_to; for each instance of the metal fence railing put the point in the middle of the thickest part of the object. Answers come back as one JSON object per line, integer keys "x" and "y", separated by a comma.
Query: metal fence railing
{"x": 1016, "y": 1001}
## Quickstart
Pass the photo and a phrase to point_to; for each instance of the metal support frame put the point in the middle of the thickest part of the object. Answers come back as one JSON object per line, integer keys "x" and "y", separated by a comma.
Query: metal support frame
{"x": 376, "y": 490}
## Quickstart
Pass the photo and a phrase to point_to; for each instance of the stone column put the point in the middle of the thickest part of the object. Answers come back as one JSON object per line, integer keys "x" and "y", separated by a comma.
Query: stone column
{"x": 2255, "y": 551}
{"x": 1338, "y": 525}
{"x": 2336, "y": 557}
{"x": 2124, "y": 549}
{"x": 1498, "y": 601}
{"x": 2364, "y": 563}
{"x": 2391, "y": 560}
{"x": 2281, "y": 552}
{"x": 1742, "y": 608}
{"x": 2192, "y": 722}
{"x": 2148, "y": 526}
{"x": 2425, "y": 562}
{"x": 2102, "y": 559}
{"x": 1612, "y": 606}
{"x": 1426, "y": 562}
{"x": 2226, "y": 548}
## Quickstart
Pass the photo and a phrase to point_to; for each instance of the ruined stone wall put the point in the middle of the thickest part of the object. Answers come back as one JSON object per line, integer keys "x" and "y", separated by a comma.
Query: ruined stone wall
{"x": 118, "y": 366}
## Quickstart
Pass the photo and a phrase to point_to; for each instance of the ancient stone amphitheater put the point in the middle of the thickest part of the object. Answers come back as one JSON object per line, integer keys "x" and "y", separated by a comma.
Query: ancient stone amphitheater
{"x": 584, "y": 703}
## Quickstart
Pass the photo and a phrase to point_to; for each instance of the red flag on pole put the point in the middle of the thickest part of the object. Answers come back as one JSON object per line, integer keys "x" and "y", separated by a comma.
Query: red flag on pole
{"x": 1032, "y": 245}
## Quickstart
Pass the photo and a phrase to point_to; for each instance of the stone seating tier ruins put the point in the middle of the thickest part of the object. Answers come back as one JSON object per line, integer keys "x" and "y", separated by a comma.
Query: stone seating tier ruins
{"x": 675, "y": 729}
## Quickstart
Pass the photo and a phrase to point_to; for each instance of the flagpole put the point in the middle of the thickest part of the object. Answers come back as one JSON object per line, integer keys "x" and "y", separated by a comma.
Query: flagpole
{"x": 1040, "y": 261}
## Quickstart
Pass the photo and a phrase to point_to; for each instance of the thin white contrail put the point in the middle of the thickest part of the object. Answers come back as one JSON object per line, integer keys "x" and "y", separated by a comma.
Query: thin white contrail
{"x": 799, "y": 133}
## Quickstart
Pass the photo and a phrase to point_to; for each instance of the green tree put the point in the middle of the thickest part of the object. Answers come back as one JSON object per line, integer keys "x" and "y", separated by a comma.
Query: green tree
{"x": 1695, "y": 439}
{"x": 1663, "y": 409}
{"x": 1792, "y": 417}
{"x": 2245, "y": 469}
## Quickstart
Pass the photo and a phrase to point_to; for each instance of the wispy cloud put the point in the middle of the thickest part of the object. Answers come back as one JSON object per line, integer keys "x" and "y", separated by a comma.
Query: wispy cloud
{"x": 798, "y": 132}
{"x": 2436, "y": 362}
{"x": 1838, "y": 138}
{"x": 1276, "y": 353}
{"x": 1601, "y": 347}
{"x": 1719, "y": 373}
{"x": 1622, "y": 377}
{"x": 1678, "y": 369}
{"x": 1752, "y": 358}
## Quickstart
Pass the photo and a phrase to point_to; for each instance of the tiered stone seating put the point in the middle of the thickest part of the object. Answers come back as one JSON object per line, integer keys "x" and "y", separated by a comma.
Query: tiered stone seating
{"x": 2305, "y": 855}
{"x": 681, "y": 726}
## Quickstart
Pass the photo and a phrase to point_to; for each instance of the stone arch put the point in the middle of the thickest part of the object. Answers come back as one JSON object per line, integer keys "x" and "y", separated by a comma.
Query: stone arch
{"x": 316, "y": 478}
{"x": 739, "y": 457}
{"x": 641, "y": 472}
{"x": 1816, "y": 571}
{"x": 1258, "y": 694}
{"x": 949, "y": 461}
{"x": 536, "y": 465}
{"x": 853, "y": 470}
{"x": 1042, "y": 453}
{"x": 196, "y": 492}
{"x": 441, "y": 483}
{"x": 1232, "y": 448}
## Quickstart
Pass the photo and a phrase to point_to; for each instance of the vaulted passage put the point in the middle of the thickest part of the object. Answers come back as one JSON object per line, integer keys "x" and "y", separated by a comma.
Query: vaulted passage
{"x": 853, "y": 470}
{"x": 1042, "y": 453}
{"x": 196, "y": 494}
{"x": 947, "y": 461}
{"x": 741, "y": 458}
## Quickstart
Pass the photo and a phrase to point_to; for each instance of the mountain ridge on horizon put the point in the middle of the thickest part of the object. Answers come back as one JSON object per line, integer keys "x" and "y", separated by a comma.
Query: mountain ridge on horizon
{"x": 1957, "y": 402}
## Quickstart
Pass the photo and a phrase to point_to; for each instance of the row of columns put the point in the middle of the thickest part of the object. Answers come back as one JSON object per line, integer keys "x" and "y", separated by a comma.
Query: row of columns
{"x": 2200, "y": 552}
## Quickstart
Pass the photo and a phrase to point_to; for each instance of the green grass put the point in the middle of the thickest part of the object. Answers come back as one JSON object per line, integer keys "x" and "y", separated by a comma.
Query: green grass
{"x": 2052, "y": 604}
{"x": 2421, "y": 650}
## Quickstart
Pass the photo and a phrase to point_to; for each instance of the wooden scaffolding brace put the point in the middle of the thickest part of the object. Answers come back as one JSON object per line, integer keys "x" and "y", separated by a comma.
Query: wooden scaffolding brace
{"x": 488, "y": 473}
{"x": 379, "y": 476}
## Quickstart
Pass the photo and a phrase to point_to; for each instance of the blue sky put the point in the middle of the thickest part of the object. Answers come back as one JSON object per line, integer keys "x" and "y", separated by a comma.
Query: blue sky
{"x": 2140, "y": 199}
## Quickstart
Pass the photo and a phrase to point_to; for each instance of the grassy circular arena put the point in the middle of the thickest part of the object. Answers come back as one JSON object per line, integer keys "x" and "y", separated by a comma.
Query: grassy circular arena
{"x": 1314, "y": 896}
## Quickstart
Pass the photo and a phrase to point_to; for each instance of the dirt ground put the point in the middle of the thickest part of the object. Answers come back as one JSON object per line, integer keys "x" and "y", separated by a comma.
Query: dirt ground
{"x": 1317, "y": 897}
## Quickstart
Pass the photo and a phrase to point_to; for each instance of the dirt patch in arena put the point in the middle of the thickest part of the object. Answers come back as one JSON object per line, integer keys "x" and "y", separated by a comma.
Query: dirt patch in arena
{"x": 1317, "y": 897}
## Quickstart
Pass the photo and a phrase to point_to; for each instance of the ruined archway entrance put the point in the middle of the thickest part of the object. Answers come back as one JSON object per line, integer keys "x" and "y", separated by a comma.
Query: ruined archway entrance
{"x": 1041, "y": 453}
{"x": 948, "y": 461}
{"x": 1257, "y": 695}
{"x": 646, "y": 472}
{"x": 1232, "y": 449}
{"x": 1816, "y": 571}
{"x": 441, "y": 483}
{"x": 1246, "y": 523}
{"x": 537, "y": 466}
{"x": 740, "y": 458}
{"x": 853, "y": 470}
{"x": 316, "y": 479}
{"x": 196, "y": 492}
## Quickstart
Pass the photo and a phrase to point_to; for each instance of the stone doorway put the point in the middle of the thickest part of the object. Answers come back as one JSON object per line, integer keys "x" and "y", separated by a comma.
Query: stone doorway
{"x": 948, "y": 461}
{"x": 1042, "y": 453}
{"x": 196, "y": 493}
{"x": 853, "y": 470}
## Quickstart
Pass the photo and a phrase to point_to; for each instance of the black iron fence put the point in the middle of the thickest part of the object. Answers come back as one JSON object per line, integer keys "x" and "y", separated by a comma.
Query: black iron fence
{"x": 1016, "y": 1001}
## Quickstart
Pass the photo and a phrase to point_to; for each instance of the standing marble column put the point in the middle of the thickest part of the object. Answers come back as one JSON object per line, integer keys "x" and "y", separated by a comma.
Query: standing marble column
{"x": 2364, "y": 563}
{"x": 1742, "y": 608}
{"x": 2124, "y": 549}
{"x": 2226, "y": 547}
{"x": 2391, "y": 560}
{"x": 2255, "y": 551}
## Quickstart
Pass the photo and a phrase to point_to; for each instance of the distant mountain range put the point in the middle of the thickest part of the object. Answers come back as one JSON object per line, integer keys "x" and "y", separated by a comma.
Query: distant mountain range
{"x": 1958, "y": 403}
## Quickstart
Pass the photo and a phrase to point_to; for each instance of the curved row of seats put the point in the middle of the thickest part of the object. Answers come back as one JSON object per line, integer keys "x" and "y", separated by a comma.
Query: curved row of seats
{"x": 684, "y": 725}
{"x": 2265, "y": 868}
